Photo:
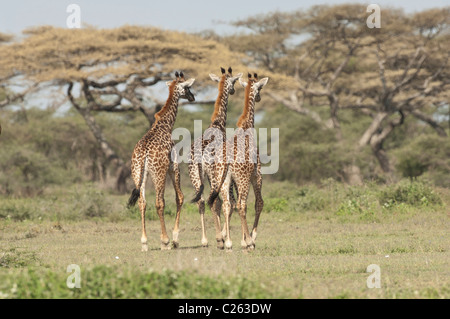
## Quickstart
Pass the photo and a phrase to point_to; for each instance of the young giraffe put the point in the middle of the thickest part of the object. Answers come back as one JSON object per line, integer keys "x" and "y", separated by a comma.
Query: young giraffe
{"x": 204, "y": 159}
{"x": 153, "y": 154}
{"x": 245, "y": 168}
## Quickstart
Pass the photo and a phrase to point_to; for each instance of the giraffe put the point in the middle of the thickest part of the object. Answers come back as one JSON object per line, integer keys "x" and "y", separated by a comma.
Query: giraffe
{"x": 245, "y": 167}
{"x": 154, "y": 154}
{"x": 205, "y": 161}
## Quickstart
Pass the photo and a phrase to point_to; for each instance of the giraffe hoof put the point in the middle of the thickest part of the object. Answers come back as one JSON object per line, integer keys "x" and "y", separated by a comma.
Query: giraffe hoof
{"x": 204, "y": 243}
{"x": 175, "y": 237}
{"x": 165, "y": 246}
{"x": 220, "y": 244}
{"x": 248, "y": 244}
{"x": 144, "y": 247}
{"x": 175, "y": 244}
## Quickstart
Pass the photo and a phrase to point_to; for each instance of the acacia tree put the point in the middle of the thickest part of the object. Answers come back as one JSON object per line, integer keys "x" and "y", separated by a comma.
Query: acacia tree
{"x": 334, "y": 59}
{"x": 413, "y": 80}
{"x": 109, "y": 70}
{"x": 6, "y": 97}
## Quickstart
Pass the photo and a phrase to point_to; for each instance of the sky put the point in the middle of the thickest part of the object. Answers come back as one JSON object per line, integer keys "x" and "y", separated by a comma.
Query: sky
{"x": 183, "y": 15}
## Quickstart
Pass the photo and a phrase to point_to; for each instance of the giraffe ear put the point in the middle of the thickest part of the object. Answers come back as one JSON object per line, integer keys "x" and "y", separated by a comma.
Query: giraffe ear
{"x": 261, "y": 83}
{"x": 238, "y": 76}
{"x": 243, "y": 83}
{"x": 214, "y": 77}
{"x": 188, "y": 83}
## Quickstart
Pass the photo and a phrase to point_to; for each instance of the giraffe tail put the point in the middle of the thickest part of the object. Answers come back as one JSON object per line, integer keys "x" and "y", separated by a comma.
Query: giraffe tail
{"x": 136, "y": 193}
{"x": 216, "y": 191}
{"x": 133, "y": 198}
{"x": 212, "y": 197}
{"x": 195, "y": 174}
{"x": 198, "y": 195}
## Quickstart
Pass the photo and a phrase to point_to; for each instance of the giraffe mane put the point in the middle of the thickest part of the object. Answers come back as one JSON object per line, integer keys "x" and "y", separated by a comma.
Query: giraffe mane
{"x": 246, "y": 111}
{"x": 166, "y": 106}
{"x": 219, "y": 99}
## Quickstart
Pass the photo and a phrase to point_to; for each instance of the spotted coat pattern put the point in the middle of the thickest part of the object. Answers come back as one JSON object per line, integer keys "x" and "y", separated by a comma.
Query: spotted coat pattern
{"x": 245, "y": 168}
{"x": 208, "y": 154}
{"x": 153, "y": 155}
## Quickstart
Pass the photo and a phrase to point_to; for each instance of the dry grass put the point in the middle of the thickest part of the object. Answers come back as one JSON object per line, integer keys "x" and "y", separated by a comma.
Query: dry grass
{"x": 298, "y": 255}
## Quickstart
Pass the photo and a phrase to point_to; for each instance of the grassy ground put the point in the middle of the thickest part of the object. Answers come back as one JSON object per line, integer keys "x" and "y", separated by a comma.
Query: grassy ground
{"x": 313, "y": 242}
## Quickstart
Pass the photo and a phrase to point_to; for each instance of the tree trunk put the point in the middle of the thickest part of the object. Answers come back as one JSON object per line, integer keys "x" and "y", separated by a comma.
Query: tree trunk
{"x": 352, "y": 175}
{"x": 382, "y": 157}
{"x": 334, "y": 106}
{"x": 124, "y": 174}
{"x": 373, "y": 128}
{"x": 108, "y": 152}
{"x": 377, "y": 139}
{"x": 105, "y": 147}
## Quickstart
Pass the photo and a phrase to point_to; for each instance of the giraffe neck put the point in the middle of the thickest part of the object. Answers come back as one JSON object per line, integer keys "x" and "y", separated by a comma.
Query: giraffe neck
{"x": 247, "y": 119}
{"x": 219, "y": 117}
{"x": 167, "y": 116}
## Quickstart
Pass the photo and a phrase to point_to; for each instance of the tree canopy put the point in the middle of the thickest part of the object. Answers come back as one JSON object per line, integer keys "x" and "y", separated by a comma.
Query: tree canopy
{"x": 355, "y": 92}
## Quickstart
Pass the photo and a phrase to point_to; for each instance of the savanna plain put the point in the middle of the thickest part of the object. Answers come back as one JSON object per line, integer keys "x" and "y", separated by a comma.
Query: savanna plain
{"x": 313, "y": 242}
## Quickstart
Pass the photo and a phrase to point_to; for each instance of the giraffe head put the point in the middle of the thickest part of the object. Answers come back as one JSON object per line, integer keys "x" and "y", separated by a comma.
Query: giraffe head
{"x": 254, "y": 85}
{"x": 227, "y": 79}
{"x": 182, "y": 87}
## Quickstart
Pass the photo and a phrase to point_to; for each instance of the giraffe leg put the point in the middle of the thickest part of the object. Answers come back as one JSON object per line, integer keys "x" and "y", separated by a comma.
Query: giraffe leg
{"x": 247, "y": 241}
{"x": 217, "y": 179}
{"x": 160, "y": 204}
{"x": 217, "y": 206}
{"x": 139, "y": 174}
{"x": 220, "y": 170}
{"x": 201, "y": 210}
{"x": 259, "y": 202}
{"x": 174, "y": 174}
{"x": 233, "y": 204}
{"x": 226, "y": 206}
{"x": 159, "y": 180}
{"x": 196, "y": 176}
{"x": 142, "y": 207}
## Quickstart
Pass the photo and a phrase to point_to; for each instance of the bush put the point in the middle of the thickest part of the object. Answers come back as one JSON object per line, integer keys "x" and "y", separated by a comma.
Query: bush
{"x": 103, "y": 282}
{"x": 311, "y": 198}
{"x": 90, "y": 201}
{"x": 82, "y": 201}
{"x": 429, "y": 156}
{"x": 360, "y": 202}
{"x": 39, "y": 150}
{"x": 14, "y": 210}
{"x": 307, "y": 152}
{"x": 275, "y": 205}
{"x": 14, "y": 258}
{"x": 412, "y": 193}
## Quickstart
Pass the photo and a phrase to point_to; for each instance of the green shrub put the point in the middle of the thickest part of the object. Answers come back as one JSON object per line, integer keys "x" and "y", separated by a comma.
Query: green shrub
{"x": 90, "y": 201}
{"x": 13, "y": 258}
{"x": 276, "y": 205}
{"x": 14, "y": 210}
{"x": 428, "y": 155}
{"x": 360, "y": 203}
{"x": 412, "y": 193}
{"x": 103, "y": 282}
{"x": 311, "y": 198}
